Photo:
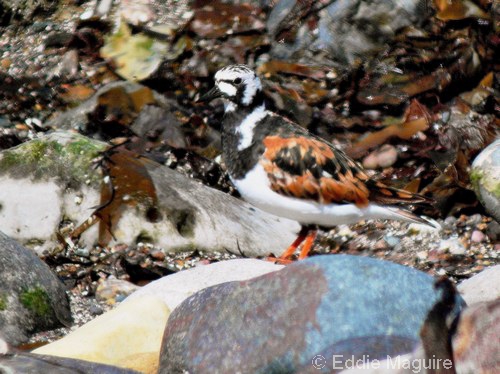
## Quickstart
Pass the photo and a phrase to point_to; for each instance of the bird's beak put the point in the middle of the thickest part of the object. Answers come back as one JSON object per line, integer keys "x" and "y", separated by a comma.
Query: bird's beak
{"x": 214, "y": 93}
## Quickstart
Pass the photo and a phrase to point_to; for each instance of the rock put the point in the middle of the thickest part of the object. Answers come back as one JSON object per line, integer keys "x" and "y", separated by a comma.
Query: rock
{"x": 22, "y": 363}
{"x": 477, "y": 236}
{"x": 18, "y": 362}
{"x": 114, "y": 290}
{"x": 474, "y": 347}
{"x": 434, "y": 347}
{"x": 65, "y": 185}
{"x": 384, "y": 157}
{"x": 60, "y": 185}
{"x": 485, "y": 177}
{"x": 137, "y": 106}
{"x": 324, "y": 305}
{"x": 493, "y": 231}
{"x": 128, "y": 337}
{"x": 31, "y": 297}
{"x": 174, "y": 289}
{"x": 453, "y": 246}
{"x": 482, "y": 287}
{"x": 351, "y": 30}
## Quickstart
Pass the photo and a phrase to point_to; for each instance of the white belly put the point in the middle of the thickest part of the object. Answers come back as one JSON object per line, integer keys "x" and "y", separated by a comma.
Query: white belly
{"x": 255, "y": 188}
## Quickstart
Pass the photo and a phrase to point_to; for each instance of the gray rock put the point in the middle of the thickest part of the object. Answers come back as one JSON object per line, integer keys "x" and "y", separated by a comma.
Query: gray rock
{"x": 485, "y": 177}
{"x": 31, "y": 297}
{"x": 350, "y": 29}
{"x": 482, "y": 287}
{"x": 279, "y": 322}
{"x": 65, "y": 185}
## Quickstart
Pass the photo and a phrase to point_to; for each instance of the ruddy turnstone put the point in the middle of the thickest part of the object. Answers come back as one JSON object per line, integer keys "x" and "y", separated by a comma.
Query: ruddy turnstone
{"x": 282, "y": 169}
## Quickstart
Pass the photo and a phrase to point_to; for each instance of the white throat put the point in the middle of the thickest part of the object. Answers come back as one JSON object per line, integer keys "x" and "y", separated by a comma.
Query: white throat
{"x": 247, "y": 126}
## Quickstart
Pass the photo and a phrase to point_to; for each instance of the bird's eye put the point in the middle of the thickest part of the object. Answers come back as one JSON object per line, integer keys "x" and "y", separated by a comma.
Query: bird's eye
{"x": 237, "y": 81}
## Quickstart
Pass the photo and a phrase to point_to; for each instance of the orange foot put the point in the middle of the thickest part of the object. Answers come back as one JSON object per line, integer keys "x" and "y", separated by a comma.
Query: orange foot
{"x": 307, "y": 236}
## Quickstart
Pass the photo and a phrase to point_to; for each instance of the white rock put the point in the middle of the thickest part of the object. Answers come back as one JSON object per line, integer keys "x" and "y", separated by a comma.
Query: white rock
{"x": 38, "y": 193}
{"x": 175, "y": 288}
{"x": 484, "y": 286}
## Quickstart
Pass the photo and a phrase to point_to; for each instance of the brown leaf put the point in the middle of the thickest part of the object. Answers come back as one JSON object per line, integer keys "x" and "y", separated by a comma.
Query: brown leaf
{"x": 127, "y": 184}
{"x": 416, "y": 119}
{"x": 283, "y": 67}
{"x": 76, "y": 93}
{"x": 452, "y": 10}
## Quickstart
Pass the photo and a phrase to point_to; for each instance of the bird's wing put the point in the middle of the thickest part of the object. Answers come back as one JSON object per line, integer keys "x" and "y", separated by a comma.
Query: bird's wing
{"x": 309, "y": 168}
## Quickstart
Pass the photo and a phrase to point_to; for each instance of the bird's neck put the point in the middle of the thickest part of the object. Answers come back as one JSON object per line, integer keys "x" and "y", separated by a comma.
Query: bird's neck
{"x": 238, "y": 136}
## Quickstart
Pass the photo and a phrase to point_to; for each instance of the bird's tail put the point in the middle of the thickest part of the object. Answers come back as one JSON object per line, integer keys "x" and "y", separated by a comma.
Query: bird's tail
{"x": 405, "y": 215}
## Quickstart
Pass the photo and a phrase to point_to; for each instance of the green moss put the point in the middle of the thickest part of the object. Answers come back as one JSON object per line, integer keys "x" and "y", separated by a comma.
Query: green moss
{"x": 475, "y": 177}
{"x": 36, "y": 300}
{"x": 495, "y": 188}
{"x": 3, "y": 302}
{"x": 491, "y": 184}
{"x": 53, "y": 157}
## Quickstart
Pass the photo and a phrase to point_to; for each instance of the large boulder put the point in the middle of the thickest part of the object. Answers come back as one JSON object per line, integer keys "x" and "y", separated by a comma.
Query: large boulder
{"x": 325, "y": 306}
{"x": 59, "y": 181}
{"x": 31, "y": 297}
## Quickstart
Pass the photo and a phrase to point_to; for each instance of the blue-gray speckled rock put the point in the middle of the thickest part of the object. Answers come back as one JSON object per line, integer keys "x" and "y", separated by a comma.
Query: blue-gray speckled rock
{"x": 278, "y": 322}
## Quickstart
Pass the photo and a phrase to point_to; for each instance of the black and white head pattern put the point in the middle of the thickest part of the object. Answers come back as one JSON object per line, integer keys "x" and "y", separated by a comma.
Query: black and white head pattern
{"x": 238, "y": 83}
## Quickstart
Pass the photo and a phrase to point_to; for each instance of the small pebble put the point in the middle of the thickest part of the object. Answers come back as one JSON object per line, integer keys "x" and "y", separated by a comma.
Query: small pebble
{"x": 344, "y": 230}
{"x": 95, "y": 310}
{"x": 82, "y": 252}
{"x": 453, "y": 246}
{"x": 450, "y": 220}
{"x": 422, "y": 255}
{"x": 477, "y": 236}
{"x": 392, "y": 241}
{"x": 158, "y": 255}
{"x": 384, "y": 157}
{"x": 493, "y": 231}
{"x": 474, "y": 220}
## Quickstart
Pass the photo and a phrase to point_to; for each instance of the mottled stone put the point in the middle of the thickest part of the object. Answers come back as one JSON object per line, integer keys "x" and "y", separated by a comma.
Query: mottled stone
{"x": 476, "y": 347}
{"x": 325, "y": 305}
{"x": 60, "y": 183}
{"x": 31, "y": 297}
{"x": 484, "y": 286}
{"x": 485, "y": 177}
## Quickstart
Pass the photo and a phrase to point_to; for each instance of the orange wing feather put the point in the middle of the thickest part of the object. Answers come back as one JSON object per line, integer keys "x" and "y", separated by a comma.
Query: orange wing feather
{"x": 302, "y": 167}
{"x": 308, "y": 168}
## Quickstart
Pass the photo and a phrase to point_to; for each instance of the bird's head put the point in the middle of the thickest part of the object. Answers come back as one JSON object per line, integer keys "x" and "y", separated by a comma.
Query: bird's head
{"x": 237, "y": 83}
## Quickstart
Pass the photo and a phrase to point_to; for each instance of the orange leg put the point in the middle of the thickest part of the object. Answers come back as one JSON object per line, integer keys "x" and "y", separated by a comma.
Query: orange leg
{"x": 293, "y": 247}
{"x": 309, "y": 241}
